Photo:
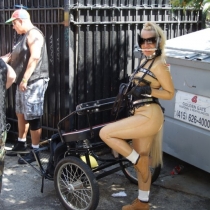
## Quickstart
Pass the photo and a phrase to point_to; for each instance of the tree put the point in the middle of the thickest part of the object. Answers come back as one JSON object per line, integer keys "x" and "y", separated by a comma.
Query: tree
{"x": 204, "y": 5}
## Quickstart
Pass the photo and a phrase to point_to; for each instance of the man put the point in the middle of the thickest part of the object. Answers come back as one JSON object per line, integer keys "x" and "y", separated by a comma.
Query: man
{"x": 7, "y": 77}
{"x": 30, "y": 61}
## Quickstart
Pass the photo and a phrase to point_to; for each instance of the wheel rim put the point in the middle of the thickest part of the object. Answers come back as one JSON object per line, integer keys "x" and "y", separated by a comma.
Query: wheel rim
{"x": 74, "y": 186}
{"x": 130, "y": 170}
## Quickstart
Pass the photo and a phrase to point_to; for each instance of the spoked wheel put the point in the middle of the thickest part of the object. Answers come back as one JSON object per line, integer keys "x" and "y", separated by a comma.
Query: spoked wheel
{"x": 76, "y": 185}
{"x": 130, "y": 172}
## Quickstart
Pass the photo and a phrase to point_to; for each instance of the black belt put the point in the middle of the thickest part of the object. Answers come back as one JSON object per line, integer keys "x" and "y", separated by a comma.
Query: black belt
{"x": 144, "y": 101}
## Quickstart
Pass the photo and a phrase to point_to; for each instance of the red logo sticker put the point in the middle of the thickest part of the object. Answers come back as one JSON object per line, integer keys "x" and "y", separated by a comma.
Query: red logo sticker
{"x": 194, "y": 99}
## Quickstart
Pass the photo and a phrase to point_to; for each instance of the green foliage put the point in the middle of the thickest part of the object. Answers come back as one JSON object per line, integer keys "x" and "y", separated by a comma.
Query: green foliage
{"x": 206, "y": 6}
{"x": 196, "y": 4}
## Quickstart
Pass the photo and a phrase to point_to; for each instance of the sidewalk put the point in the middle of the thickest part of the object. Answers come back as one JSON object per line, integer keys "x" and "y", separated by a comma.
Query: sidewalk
{"x": 187, "y": 190}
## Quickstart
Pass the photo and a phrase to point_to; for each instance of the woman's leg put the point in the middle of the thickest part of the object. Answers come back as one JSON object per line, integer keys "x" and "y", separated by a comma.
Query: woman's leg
{"x": 141, "y": 128}
{"x": 142, "y": 146}
{"x": 134, "y": 127}
{"x": 144, "y": 125}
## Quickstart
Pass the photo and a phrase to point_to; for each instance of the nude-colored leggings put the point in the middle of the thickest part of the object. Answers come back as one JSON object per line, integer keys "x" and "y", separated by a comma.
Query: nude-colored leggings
{"x": 141, "y": 128}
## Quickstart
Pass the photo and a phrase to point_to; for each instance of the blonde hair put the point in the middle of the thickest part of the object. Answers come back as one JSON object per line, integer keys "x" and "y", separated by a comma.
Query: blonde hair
{"x": 156, "y": 153}
{"x": 150, "y": 26}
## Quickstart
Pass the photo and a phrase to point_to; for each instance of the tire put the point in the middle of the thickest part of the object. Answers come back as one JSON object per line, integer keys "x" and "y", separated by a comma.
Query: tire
{"x": 76, "y": 185}
{"x": 130, "y": 172}
{"x": 155, "y": 173}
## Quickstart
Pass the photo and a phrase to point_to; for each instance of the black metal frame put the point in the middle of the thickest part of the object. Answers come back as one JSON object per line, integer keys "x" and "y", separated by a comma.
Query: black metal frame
{"x": 75, "y": 142}
{"x": 89, "y": 134}
{"x": 90, "y": 47}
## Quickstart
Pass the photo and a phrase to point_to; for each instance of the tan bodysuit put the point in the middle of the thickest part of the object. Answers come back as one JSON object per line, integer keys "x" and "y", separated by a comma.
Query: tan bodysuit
{"x": 141, "y": 127}
{"x": 146, "y": 121}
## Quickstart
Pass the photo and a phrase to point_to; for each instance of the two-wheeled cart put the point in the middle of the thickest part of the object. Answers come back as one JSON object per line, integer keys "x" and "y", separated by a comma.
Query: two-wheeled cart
{"x": 77, "y": 161}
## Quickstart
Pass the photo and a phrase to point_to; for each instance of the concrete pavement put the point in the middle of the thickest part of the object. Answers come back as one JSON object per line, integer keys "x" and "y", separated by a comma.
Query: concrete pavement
{"x": 188, "y": 190}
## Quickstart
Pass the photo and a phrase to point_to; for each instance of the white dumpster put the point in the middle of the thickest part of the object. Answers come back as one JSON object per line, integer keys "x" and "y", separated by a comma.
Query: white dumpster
{"x": 187, "y": 117}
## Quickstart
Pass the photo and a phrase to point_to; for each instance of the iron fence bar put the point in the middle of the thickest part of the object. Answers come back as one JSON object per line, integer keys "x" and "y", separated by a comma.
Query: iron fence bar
{"x": 49, "y": 23}
{"x": 178, "y": 24}
{"x": 33, "y": 9}
{"x": 111, "y": 33}
{"x": 128, "y": 22}
{"x": 148, "y": 7}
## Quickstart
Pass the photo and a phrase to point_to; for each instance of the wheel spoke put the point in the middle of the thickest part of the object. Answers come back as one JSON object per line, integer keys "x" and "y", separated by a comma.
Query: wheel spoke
{"x": 75, "y": 186}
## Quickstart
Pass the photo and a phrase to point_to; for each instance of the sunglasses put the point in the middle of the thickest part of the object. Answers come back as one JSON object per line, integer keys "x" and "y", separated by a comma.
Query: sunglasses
{"x": 150, "y": 40}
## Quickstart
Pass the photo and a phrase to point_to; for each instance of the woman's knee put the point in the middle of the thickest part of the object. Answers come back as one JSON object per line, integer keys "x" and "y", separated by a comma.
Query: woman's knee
{"x": 102, "y": 134}
{"x": 143, "y": 145}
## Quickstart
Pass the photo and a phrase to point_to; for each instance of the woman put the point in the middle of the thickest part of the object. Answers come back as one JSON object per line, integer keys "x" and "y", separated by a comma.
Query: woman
{"x": 152, "y": 81}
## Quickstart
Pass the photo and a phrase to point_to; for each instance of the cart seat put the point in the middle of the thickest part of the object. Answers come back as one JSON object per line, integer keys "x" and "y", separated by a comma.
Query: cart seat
{"x": 95, "y": 106}
{"x": 82, "y": 134}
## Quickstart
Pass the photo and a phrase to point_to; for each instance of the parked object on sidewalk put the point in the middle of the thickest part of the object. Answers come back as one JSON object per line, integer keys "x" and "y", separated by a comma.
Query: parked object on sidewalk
{"x": 187, "y": 117}
{"x": 75, "y": 161}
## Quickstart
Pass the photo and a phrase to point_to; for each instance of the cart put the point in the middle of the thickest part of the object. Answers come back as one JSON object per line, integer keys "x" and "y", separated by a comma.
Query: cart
{"x": 75, "y": 161}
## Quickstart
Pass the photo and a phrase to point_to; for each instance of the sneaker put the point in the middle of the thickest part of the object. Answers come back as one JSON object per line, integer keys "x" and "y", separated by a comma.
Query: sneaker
{"x": 29, "y": 158}
{"x": 18, "y": 148}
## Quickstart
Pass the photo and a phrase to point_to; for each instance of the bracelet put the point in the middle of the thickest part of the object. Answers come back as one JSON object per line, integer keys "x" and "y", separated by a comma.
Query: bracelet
{"x": 24, "y": 80}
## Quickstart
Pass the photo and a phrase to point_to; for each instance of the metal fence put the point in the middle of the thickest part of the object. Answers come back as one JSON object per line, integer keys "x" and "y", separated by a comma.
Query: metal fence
{"x": 90, "y": 47}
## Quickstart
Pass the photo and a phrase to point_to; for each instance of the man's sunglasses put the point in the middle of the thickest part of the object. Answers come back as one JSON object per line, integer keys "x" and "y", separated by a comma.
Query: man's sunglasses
{"x": 151, "y": 40}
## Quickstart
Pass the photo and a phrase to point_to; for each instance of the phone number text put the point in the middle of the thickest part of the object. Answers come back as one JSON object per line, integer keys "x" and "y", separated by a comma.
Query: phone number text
{"x": 193, "y": 119}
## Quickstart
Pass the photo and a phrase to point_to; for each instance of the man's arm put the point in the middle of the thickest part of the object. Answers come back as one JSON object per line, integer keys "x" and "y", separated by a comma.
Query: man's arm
{"x": 11, "y": 76}
{"x": 35, "y": 42}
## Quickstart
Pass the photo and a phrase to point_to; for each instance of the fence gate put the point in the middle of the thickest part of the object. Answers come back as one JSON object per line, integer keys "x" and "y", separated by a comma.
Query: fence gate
{"x": 90, "y": 47}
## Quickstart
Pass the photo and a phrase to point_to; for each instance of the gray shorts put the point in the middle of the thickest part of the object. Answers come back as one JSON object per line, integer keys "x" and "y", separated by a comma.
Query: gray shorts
{"x": 31, "y": 101}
